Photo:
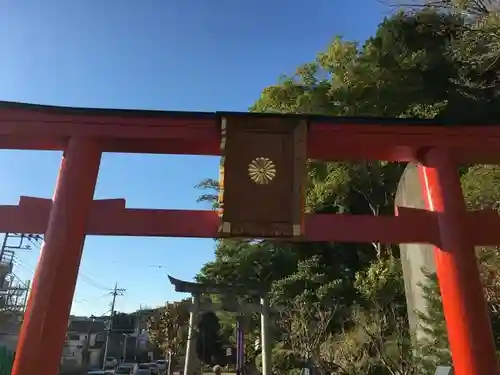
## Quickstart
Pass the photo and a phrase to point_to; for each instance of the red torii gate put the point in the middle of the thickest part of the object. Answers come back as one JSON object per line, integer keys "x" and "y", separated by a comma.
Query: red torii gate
{"x": 84, "y": 134}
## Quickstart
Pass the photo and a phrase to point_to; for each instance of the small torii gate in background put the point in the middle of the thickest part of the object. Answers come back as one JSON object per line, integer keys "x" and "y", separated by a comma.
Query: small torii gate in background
{"x": 263, "y": 171}
{"x": 199, "y": 305}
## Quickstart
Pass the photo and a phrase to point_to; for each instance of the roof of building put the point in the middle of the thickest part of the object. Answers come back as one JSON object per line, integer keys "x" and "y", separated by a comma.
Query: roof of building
{"x": 84, "y": 326}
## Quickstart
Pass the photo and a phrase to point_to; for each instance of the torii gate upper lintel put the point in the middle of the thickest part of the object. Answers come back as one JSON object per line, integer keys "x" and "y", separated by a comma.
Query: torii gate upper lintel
{"x": 183, "y": 286}
{"x": 264, "y": 161}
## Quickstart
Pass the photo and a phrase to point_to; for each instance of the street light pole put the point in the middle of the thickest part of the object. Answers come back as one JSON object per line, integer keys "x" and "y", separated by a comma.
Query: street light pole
{"x": 86, "y": 358}
{"x": 125, "y": 347}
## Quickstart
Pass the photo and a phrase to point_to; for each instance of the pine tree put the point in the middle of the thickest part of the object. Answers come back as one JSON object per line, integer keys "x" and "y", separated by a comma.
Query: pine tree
{"x": 433, "y": 348}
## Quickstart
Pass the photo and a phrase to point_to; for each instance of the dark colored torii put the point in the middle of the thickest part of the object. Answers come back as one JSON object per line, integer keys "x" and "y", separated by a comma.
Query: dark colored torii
{"x": 198, "y": 289}
{"x": 182, "y": 286}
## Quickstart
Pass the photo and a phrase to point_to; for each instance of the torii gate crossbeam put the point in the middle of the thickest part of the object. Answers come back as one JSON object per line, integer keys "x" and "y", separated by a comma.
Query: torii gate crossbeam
{"x": 84, "y": 134}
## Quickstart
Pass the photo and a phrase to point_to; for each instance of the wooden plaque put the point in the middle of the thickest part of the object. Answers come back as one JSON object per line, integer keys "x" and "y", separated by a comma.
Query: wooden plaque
{"x": 263, "y": 171}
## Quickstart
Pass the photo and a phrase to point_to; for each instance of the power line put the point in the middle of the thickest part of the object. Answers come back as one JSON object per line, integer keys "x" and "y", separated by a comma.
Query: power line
{"x": 28, "y": 242}
{"x": 81, "y": 276}
{"x": 25, "y": 243}
{"x": 25, "y": 267}
{"x": 91, "y": 282}
{"x": 159, "y": 266}
{"x": 12, "y": 242}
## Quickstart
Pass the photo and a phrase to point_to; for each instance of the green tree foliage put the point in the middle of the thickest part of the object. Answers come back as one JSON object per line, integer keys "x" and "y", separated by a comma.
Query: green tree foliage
{"x": 168, "y": 327}
{"x": 482, "y": 191}
{"x": 211, "y": 187}
{"x": 209, "y": 342}
{"x": 381, "y": 285}
{"x": 434, "y": 348}
{"x": 481, "y": 185}
{"x": 438, "y": 62}
{"x": 248, "y": 264}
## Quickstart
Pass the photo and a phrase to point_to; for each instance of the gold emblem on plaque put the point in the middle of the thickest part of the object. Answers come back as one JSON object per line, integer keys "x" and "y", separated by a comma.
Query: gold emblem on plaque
{"x": 261, "y": 170}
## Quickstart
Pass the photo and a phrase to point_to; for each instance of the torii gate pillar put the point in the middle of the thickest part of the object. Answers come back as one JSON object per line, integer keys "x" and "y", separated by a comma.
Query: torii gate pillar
{"x": 191, "y": 360}
{"x": 46, "y": 319}
{"x": 265, "y": 338}
{"x": 469, "y": 328}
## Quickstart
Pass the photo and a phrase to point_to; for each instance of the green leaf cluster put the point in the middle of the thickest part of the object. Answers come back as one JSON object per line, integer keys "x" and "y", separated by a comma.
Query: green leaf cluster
{"x": 168, "y": 327}
{"x": 430, "y": 63}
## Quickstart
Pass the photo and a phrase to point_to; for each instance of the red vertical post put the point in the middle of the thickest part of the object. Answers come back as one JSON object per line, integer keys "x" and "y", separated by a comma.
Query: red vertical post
{"x": 46, "y": 319}
{"x": 467, "y": 319}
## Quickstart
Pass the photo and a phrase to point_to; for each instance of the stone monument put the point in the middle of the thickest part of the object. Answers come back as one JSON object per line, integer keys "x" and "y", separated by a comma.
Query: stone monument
{"x": 415, "y": 258}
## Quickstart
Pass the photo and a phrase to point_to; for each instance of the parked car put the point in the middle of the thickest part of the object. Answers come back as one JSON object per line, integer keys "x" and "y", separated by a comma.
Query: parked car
{"x": 143, "y": 369}
{"x": 154, "y": 368}
{"x": 126, "y": 369}
{"x": 96, "y": 372}
{"x": 111, "y": 362}
{"x": 161, "y": 364}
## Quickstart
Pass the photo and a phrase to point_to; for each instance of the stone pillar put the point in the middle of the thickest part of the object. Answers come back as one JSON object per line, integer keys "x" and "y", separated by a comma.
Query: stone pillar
{"x": 191, "y": 362}
{"x": 415, "y": 258}
{"x": 265, "y": 338}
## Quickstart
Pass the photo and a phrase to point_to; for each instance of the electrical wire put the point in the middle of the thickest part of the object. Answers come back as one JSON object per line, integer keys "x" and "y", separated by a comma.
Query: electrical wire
{"x": 21, "y": 264}
{"x": 81, "y": 276}
{"x": 37, "y": 242}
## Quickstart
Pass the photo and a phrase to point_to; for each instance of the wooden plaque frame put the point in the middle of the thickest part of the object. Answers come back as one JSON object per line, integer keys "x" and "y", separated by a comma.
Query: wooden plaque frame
{"x": 262, "y": 177}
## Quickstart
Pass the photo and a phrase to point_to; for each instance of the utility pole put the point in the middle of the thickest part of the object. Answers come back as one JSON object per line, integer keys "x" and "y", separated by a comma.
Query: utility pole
{"x": 137, "y": 330}
{"x": 125, "y": 337}
{"x": 86, "y": 356}
{"x": 2, "y": 253}
{"x": 116, "y": 292}
{"x": 4, "y": 244}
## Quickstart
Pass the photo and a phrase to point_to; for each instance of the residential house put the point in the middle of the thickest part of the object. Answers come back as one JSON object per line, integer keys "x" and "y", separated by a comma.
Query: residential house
{"x": 85, "y": 340}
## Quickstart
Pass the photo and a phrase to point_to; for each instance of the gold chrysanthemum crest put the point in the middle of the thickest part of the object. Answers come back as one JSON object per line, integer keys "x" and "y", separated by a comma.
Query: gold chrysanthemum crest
{"x": 261, "y": 170}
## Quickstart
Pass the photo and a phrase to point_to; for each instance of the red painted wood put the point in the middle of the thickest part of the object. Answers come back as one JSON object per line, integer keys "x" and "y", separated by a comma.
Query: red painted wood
{"x": 467, "y": 319}
{"x": 192, "y": 133}
{"x": 45, "y": 322}
{"x": 110, "y": 217}
{"x": 449, "y": 228}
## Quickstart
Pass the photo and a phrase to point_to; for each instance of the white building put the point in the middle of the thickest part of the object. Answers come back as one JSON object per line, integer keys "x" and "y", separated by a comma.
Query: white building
{"x": 84, "y": 343}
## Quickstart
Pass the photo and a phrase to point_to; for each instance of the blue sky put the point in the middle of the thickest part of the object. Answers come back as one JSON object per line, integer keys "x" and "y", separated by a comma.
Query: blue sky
{"x": 196, "y": 55}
